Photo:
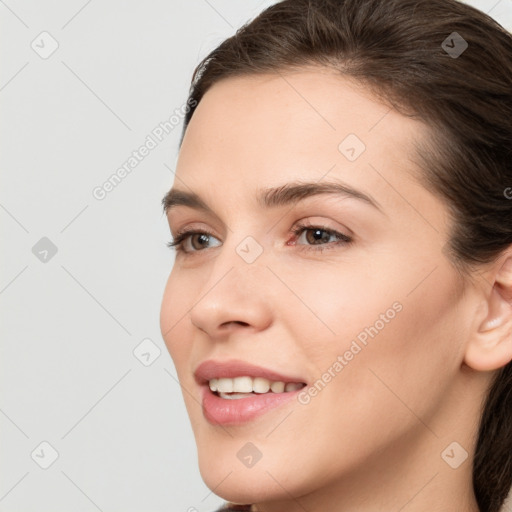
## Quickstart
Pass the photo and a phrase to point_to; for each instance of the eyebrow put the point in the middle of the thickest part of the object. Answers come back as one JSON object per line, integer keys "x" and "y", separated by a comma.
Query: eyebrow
{"x": 289, "y": 193}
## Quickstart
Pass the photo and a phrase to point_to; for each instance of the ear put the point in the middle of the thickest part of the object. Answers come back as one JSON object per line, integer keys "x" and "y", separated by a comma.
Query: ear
{"x": 490, "y": 346}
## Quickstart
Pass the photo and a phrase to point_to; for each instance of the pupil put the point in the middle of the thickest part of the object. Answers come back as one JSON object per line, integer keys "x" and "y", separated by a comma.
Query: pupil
{"x": 203, "y": 239}
{"x": 319, "y": 238}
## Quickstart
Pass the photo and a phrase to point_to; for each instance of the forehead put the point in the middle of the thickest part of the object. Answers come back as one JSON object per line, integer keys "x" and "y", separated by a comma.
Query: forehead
{"x": 317, "y": 98}
{"x": 262, "y": 130}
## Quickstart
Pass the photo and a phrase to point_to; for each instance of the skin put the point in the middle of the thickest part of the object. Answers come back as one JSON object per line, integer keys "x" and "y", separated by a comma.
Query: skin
{"x": 372, "y": 439}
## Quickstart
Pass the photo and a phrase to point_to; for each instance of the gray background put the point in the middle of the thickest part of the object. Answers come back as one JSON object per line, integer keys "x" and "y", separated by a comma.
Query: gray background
{"x": 83, "y": 364}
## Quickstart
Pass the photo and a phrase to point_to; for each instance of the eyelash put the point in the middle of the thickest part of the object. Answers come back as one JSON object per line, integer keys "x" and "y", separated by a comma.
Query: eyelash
{"x": 181, "y": 237}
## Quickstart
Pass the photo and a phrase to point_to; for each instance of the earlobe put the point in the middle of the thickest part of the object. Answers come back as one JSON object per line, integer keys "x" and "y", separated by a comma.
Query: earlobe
{"x": 490, "y": 346}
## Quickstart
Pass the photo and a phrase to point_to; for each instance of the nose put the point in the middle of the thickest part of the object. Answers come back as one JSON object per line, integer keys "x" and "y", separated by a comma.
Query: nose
{"x": 235, "y": 296}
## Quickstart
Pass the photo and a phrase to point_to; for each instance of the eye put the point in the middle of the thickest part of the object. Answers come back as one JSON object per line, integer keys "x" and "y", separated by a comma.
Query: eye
{"x": 319, "y": 236}
{"x": 181, "y": 239}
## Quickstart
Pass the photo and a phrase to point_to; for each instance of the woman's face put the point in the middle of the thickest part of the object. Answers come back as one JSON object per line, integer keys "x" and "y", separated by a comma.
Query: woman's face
{"x": 374, "y": 327}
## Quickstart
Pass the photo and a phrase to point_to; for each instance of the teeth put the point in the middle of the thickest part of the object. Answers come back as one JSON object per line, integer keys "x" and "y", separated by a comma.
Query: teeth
{"x": 234, "y": 396}
{"x": 277, "y": 387}
{"x": 242, "y": 384}
{"x": 225, "y": 385}
{"x": 245, "y": 385}
{"x": 292, "y": 386}
{"x": 260, "y": 385}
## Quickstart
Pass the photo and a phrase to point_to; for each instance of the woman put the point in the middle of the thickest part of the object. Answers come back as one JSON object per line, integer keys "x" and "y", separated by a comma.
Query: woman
{"x": 340, "y": 307}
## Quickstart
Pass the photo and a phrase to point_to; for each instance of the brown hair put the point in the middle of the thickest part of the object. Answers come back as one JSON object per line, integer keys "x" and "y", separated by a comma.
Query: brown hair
{"x": 406, "y": 53}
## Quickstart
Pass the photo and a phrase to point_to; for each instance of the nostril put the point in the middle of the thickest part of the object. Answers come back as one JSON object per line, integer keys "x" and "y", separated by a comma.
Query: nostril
{"x": 238, "y": 322}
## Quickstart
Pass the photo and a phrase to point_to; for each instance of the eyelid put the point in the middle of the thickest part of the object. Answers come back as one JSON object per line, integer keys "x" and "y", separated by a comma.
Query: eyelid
{"x": 320, "y": 220}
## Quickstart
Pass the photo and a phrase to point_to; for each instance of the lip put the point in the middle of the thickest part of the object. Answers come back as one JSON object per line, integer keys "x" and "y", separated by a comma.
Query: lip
{"x": 221, "y": 411}
{"x": 212, "y": 369}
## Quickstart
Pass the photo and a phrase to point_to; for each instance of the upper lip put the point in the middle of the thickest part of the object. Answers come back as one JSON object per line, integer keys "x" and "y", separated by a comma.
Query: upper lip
{"x": 212, "y": 369}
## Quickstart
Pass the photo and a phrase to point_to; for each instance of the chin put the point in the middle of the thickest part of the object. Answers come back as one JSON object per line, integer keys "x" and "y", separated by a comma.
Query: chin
{"x": 243, "y": 488}
{"x": 227, "y": 477}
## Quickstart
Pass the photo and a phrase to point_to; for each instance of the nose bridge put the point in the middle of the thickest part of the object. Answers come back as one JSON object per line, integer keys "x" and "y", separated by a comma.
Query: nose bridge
{"x": 243, "y": 253}
{"x": 242, "y": 265}
{"x": 235, "y": 290}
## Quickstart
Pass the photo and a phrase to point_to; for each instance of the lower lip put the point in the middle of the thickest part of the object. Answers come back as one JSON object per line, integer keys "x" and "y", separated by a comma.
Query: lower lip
{"x": 223, "y": 411}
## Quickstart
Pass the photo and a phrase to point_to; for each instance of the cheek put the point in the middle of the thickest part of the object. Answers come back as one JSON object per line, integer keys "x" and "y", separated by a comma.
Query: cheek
{"x": 174, "y": 318}
{"x": 335, "y": 304}
{"x": 375, "y": 344}
{"x": 397, "y": 296}
{"x": 387, "y": 386}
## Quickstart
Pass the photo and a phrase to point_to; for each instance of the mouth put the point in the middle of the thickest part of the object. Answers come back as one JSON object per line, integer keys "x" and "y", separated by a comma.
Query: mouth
{"x": 235, "y": 392}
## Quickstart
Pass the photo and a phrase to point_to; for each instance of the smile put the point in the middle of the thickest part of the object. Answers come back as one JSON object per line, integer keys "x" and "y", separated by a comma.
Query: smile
{"x": 243, "y": 387}
{"x": 234, "y": 392}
